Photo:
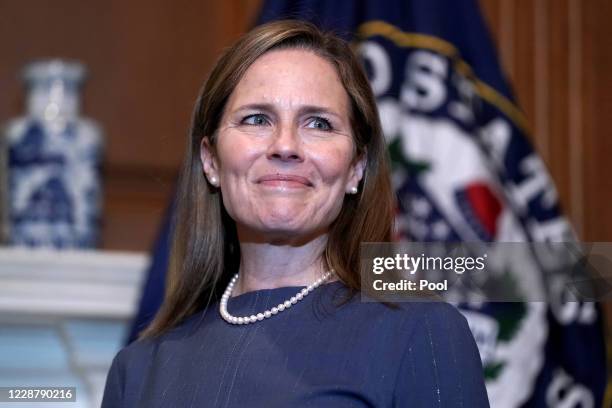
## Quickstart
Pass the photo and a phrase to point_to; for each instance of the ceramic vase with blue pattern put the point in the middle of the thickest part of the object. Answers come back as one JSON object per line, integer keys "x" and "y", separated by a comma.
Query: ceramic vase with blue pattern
{"x": 53, "y": 157}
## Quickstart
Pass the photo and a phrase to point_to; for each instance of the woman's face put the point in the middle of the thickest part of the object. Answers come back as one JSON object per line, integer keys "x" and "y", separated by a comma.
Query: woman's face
{"x": 284, "y": 156}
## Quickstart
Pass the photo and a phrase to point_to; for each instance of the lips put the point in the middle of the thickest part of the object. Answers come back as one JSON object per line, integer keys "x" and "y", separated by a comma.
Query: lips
{"x": 284, "y": 180}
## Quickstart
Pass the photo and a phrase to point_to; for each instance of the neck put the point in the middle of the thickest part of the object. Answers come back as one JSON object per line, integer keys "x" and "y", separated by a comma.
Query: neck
{"x": 265, "y": 265}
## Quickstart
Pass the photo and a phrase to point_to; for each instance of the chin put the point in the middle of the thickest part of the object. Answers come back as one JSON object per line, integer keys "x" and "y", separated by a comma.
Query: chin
{"x": 291, "y": 228}
{"x": 282, "y": 230}
{"x": 285, "y": 217}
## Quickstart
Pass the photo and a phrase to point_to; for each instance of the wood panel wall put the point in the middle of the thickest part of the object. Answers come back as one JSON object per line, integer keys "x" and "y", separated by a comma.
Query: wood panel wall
{"x": 558, "y": 56}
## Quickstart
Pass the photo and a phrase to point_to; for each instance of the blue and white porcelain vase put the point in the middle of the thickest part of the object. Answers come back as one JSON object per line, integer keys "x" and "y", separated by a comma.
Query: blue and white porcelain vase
{"x": 54, "y": 157}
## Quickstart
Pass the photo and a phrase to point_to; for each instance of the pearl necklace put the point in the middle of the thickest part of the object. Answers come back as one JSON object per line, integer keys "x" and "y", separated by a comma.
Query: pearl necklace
{"x": 270, "y": 312}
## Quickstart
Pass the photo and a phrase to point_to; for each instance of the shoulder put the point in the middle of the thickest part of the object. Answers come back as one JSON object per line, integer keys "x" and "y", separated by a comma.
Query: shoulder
{"x": 135, "y": 356}
{"x": 439, "y": 327}
{"x": 441, "y": 333}
{"x": 441, "y": 362}
{"x": 132, "y": 365}
{"x": 126, "y": 375}
{"x": 410, "y": 322}
{"x": 436, "y": 327}
{"x": 436, "y": 316}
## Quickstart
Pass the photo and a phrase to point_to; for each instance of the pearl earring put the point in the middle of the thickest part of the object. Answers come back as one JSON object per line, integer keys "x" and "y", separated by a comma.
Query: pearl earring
{"x": 354, "y": 190}
{"x": 213, "y": 181}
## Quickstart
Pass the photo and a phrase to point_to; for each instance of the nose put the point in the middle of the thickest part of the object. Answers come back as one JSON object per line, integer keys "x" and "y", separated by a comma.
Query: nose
{"x": 286, "y": 145}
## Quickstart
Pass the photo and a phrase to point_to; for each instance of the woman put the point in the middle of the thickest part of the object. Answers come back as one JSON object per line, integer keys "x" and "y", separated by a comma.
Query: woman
{"x": 285, "y": 176}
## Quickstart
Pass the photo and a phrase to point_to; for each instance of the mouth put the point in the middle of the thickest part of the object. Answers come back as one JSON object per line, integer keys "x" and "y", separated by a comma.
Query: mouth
{"x": 284, "y": 180}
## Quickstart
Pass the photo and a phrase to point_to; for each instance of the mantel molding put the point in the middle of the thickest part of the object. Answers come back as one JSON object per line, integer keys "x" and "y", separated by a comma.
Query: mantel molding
{"x": 70, "y": 283}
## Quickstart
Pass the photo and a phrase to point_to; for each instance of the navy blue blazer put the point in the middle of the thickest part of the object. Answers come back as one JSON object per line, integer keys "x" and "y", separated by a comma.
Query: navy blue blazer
{"x": 315, "y": 354}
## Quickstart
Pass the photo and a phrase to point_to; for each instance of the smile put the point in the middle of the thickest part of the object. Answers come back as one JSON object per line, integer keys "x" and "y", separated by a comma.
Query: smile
{"x": 284, "y": 181}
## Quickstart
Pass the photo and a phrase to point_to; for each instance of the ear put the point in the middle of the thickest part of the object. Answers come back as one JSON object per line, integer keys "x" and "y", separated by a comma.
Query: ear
{"x": 209, "y": 162}
{"x": 356, "y": 173}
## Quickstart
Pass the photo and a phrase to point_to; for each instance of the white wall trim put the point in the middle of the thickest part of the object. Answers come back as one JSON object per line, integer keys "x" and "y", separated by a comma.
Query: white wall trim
{"x": 70, "y": 283}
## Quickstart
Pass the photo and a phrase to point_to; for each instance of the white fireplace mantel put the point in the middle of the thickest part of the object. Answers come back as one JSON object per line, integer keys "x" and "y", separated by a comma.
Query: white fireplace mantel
{"x": 64, "y": 315}
{"x": 72, "y": 283}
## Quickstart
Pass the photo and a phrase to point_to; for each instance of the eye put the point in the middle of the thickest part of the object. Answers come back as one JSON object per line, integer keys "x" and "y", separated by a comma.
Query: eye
{"x": 320, "y": 123}
{"x": 257, "y": 119}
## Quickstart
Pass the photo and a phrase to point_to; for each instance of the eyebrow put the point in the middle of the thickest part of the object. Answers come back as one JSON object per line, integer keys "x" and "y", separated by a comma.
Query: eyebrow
{"x": 303, "y": 110}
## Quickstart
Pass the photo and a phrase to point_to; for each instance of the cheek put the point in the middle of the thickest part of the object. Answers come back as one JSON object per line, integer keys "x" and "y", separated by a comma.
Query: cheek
{"x": 235, "y": 154}
{"x": 235, "y": 159}
{"x": 334, "y": 164}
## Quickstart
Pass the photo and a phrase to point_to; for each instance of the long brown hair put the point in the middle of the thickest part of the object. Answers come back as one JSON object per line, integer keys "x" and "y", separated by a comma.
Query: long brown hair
{"x": 206, "y": 251}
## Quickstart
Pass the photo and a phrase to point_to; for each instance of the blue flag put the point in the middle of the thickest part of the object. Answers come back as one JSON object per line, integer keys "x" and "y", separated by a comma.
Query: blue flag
{"x": 155, "y": 283}
{"x": 463, "y": 170}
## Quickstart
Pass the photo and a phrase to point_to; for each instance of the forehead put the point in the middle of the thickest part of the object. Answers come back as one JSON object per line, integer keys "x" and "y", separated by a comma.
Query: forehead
{"x": 290, "y": 78}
